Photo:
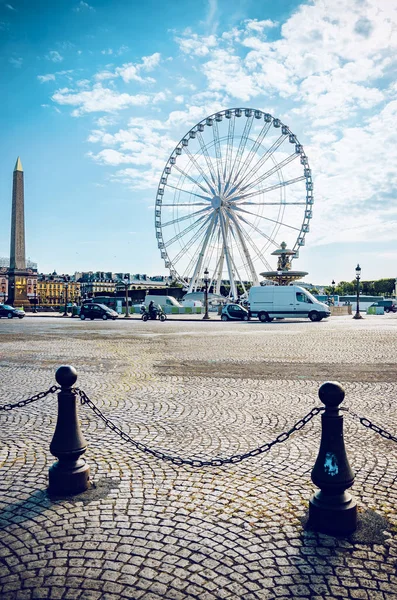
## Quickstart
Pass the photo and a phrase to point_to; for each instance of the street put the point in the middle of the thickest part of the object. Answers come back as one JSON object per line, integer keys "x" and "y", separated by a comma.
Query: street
{"x": 152, "y": 529}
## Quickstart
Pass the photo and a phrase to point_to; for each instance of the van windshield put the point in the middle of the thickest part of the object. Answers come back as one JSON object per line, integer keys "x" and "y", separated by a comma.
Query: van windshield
{"x": 309, "y": 295}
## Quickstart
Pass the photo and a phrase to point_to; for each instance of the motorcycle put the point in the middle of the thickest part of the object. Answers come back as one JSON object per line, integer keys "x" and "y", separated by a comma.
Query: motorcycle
{"x": 156, "y": 313}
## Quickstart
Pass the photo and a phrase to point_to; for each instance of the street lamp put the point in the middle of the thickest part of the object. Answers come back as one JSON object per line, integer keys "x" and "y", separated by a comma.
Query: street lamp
{"x": 127, "y": 284}
{"x": 34, "y": 298}
{"x": 333, "y": 291}
{"x": 206, "y": 282}
{"x": 66, "y": 285}
{"x": 358, "y": 272}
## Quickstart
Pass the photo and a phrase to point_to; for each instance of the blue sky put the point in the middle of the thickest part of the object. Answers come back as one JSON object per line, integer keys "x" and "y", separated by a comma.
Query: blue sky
{"x": 96, "y": 95}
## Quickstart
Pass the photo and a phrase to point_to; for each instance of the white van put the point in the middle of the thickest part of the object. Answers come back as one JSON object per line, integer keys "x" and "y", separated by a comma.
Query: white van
{"x": 280, "y": 301}
{"x": 164, "y": 301}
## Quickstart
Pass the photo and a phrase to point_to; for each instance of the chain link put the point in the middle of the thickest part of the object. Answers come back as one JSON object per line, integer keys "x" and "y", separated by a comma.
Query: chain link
{"x": 34, "y": 398}
{"x": 195, "y": 462}
{"x": 369, "y": 425}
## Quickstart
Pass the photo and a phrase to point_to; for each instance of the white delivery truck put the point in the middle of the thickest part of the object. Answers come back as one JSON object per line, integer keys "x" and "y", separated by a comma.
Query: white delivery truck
{"x": 163, "y": 301}
{"x": 282, "y": 301}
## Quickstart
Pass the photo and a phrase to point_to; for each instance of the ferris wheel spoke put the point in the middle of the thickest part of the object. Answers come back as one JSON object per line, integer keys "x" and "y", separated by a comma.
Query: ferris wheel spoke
{"x": 207, "y": 157}
{"x": 189, "y": 216}
{"x": 200, "y": 253}
{"x": 240, "y": 150}
{"x": 224, "y": 228}
{"x": 256, "y": 215}
{"x": 174, "y": 187}
{"x": 252, "y": 172}
{"x": 179, "y": 235}
{"x": 246, "y": 253}
{"x": 252, "y": 152}
{"x": 252, "y": 244}
{"x": 174, "y": 204}
{"x": 218, "y": 154}
{"x": 271, "y": 171}
{"x": 189, "y": 243}
{"x": 198, "y": 167}
{"x": 276, "y": 186}
{"x": 229, "y": 146}
{"x": 182, "y": 172}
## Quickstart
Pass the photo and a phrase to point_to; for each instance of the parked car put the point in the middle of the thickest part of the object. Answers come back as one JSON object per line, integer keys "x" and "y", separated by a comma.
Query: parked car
{"x": 388, "y": 305}
{"x": 10, "y": 312}
{"x": 234, "y": 312}
{"x": 93, "y": 310}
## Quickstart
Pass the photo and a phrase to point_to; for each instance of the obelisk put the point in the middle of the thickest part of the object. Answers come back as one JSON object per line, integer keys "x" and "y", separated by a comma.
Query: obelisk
{"x": 17, "y": 254}
{"x": 17, "y": 274}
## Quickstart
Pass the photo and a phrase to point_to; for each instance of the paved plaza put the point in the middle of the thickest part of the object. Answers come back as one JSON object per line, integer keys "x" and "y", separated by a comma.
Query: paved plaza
{"x": 148, "y": 528}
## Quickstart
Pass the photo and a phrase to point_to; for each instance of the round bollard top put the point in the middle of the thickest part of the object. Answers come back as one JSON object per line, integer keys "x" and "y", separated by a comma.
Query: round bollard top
{"x": 331, "y": 393}
{"x": 66, "y": 376}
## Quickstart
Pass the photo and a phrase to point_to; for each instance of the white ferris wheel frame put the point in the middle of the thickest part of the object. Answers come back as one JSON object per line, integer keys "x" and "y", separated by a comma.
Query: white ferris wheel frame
{"x": 229, "y": 222}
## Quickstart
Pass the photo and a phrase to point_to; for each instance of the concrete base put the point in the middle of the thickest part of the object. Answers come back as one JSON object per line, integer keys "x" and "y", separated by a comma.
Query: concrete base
{"x": 69, "y": 479}
{"x": 335, "y": 515}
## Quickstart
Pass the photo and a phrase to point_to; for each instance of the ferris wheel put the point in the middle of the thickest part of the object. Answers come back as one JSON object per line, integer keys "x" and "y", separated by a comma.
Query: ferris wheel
{"x": 236, "y": 186}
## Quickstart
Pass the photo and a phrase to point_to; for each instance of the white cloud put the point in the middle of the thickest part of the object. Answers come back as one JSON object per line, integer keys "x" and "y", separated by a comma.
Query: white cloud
{"x": 132, "y": 72}
{"x": 54, "y": 56}
{"x": 197, "y": 45}
{"x": 44, "y": 78}
{"x": 16, "y": 62}
{"x": 98, "y": 99}
{"x": 260, "y": 26}
{"x": 83, "y": 7}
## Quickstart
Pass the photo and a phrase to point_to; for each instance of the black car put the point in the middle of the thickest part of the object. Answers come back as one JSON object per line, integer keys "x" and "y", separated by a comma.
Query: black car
{"x": 10, "y": 312}
{"x": 232, "y": 312}
{"x": 92, "y": 310}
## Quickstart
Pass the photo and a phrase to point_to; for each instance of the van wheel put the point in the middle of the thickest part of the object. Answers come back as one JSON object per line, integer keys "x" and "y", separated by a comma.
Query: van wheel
{"x": 224, "y": 318}
{"x": 263, "y": 317}
{"x": 82, "y": 317}
{"x": 105, "y": 317}
{"x": 314, "y": 316}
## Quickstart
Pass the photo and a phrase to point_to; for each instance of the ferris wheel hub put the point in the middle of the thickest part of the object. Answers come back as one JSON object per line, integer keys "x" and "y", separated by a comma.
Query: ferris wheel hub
{"x": 217, "y": 202}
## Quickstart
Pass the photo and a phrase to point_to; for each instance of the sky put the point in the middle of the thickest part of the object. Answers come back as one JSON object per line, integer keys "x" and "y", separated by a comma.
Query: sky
{"x": 96, "y": 95}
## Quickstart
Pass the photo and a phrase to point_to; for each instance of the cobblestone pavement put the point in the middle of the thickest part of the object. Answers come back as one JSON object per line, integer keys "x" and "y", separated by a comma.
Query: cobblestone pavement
{"x": 154, "y": 530}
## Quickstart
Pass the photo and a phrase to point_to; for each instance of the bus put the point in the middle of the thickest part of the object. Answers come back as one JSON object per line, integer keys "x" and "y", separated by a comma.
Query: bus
{"x": 364, "y": 301}
{"x": 350, "y": 299}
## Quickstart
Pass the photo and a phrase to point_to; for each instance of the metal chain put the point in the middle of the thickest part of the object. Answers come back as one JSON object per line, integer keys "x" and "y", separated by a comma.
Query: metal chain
{"x": 368, "y": 423}
{"x": 193, "y": 462}
{"x": 38, "y": 396}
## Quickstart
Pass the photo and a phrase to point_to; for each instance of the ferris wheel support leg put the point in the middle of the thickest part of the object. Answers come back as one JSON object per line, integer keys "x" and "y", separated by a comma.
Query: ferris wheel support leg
{"x": 199, "y": 263}
{"x": 233, "y": 288}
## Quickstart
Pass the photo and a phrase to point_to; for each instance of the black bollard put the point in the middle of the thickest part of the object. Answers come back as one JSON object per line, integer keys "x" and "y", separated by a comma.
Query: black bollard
{"x": 70, "y": 473}
{"x": 332, "y": 509}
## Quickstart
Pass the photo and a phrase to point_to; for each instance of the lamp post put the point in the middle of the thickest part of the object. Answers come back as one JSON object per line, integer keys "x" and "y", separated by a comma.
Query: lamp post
{"x": 333, "y": 291}
{"x": 66, "y": 285}
{"x": 127, "y": 284}
{"x": 206, "y": 282}
{"x": 11, "y": 288}
{"x": 34, "y": 298}
{"x": 358, "y": 272}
